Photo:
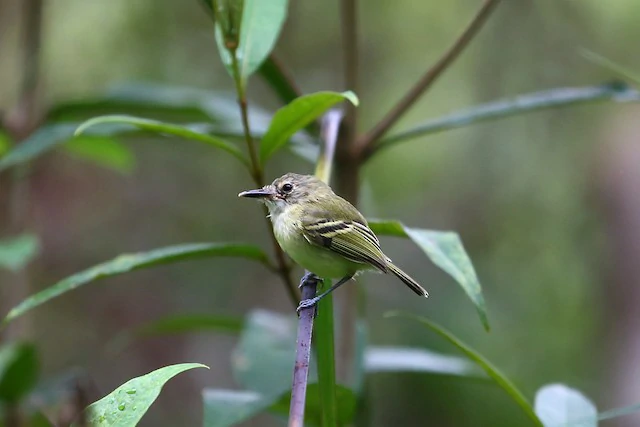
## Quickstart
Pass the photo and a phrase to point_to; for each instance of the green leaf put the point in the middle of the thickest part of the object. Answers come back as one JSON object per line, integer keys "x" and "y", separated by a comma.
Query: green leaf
{"x": 125, "y": 406}
{"x": 446, "y": 251}
{"x": 103, "y": 151}
{"x": 260, "y": 27}
{"x": 494, "y": 373}
{"x": 324, "y": 340}
{"x": 226, "y": 408}
{"x": 130, "y": 262}
{"x": 5, "y": 143}
{"x": 17, "y": 252}
{"x": 263, "y": 359}
{"x": 45, "y": 139}
{"x": 406, "y": 359}
{"x": 296, "y": 115}
{"x": 165, "y": 128}
{"x": 18, "y": 371}
{"x": 558, "y": 405}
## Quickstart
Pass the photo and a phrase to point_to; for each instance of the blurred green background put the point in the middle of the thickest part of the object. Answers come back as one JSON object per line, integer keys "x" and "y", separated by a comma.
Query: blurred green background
{"x": 546, "y": 203}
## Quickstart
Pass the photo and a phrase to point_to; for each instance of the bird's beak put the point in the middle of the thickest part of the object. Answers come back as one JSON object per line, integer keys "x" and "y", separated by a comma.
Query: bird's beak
{"x": 265, "y": 192}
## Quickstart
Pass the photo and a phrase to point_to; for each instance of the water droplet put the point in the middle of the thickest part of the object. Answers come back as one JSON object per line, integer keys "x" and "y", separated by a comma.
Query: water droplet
{"x": 122, "y": 407}
{"x": 131, "y": 391}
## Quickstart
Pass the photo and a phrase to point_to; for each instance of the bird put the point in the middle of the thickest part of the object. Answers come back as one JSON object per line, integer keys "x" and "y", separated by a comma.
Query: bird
{"x": 324, "y": 233}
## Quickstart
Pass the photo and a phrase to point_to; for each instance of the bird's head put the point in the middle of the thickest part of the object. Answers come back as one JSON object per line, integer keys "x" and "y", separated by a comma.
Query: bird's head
{"x": 288, "y": 190}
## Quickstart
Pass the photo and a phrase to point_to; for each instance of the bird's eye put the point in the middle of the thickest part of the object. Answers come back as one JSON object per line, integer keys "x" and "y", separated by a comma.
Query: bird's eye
{"x": 287, "y": 187}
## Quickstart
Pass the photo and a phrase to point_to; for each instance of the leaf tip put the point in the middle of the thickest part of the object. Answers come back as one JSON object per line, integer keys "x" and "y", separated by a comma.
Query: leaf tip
{"x": 351, "y": 97}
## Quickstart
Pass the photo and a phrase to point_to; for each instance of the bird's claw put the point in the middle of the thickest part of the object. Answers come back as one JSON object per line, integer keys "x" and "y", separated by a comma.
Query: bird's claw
{"x": 308, "y": 303}
{"x": 308, "y": 279}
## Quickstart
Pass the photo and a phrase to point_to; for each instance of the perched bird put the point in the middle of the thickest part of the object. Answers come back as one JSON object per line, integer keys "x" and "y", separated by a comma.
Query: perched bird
{"x": 323, "y": 232}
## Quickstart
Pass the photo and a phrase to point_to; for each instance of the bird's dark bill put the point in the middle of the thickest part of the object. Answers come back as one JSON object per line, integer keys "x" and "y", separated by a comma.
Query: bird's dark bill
{"x": 256, "y": 194}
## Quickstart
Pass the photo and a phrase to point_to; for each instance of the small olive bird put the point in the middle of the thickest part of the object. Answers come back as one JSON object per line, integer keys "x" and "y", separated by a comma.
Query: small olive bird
{"x": 323, "y": 232}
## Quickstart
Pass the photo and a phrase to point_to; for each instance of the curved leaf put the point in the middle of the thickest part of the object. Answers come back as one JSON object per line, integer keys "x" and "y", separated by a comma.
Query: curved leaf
{"x": 494, "y": 373}
{"x": 296, "y": 115}
{"x": 17, "y": 252}
{"x": 446, "y": 251}
{"x": 558, "y": 405}
{"x": 125, "y": 406}
{"x": 18, "y": 371}
{"x": 405, "y": 359}
{"x": 129, "y": 262}
{"x": 259, "y": 30}
{"x": 102, "y": 151}
{"x": 165, "y": 128}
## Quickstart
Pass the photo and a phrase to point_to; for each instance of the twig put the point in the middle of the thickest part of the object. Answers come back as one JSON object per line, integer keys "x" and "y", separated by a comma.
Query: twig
{"x": 535, "y": 101}
{"x": 425, "y": 82}
{"x": 284, "y": 270}
{"x": 330, "y": 129}
{"x": 303, "y": 355}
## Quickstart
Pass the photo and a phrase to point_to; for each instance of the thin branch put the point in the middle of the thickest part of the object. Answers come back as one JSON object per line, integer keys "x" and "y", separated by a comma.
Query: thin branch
{"x": 329, "y": 133}
{"x": 303, "y": 355}
{"x": 284, "y": 270}
{"x": 428, "y": 78}
{"x": 535, "y": 101}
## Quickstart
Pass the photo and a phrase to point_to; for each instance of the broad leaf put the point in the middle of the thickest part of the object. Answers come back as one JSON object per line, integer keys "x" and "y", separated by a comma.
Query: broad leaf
{"x": 494, "y": 373}
{"x": 49, "y": 137}
{"x": 17, "y": 252}
{"x": 296, "y": 115}
{"x": 18, "y": 371}
{"x": 405, "y": 359}
{"x": 126, "y": 405}
{"x": 165, "y": 128}
{"x": 105, "y": 152}
{"x": 446, "y": 251}
{"x": 263, "y": 359}
{"x": 226, "y": 408}
{"x": 558, "y": 405}
{"x": 129, "y": 262}
{"x": 259, "y": 30}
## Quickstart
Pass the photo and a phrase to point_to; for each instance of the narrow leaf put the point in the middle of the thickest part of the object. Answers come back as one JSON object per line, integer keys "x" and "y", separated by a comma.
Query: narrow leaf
{"x": 405, "y": 359}
{"x": 126, "y": 405}
{"x": 18, "y": 371}
{"x": 613, "y": 67}
{"x": 324, "y": 341}
{"x": 493, "y": 372}
{"x": 129, "y": 262}
{"x": 17, "y": 252}
{"x": 558, "y": 405}
{"x": 103, "y": 151}
{"x": 446, "y": 251}
{"x": 314, "y": 412}
{"x": 165, "y": 128}
{"x": 260, "y": 27}
{"x": 296, "y": 115}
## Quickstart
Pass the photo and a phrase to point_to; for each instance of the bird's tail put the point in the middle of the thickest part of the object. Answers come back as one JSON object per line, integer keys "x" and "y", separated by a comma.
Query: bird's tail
{"x": 407, "y": 280}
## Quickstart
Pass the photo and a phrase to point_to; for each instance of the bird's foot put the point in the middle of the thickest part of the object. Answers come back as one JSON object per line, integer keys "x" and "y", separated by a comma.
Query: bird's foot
{"x": 308, "y": 303}
{"x": 309, "y": 279}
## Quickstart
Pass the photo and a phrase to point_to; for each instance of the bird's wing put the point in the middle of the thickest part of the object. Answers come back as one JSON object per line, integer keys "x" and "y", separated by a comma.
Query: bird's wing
{"x": 351, "y": 239}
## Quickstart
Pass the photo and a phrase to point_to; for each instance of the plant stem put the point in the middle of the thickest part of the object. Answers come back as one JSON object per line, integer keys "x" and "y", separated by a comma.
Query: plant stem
{"x": 303, "y": 355}
{"x": 430, "y": 76}
{"x": 535, "y": 101}
{"x": 326, "y": 361}
{"x": 284, "y": 270}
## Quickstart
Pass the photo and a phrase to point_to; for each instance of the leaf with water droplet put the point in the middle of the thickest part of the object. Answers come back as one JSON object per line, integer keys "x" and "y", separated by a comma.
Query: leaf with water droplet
{"x": 111, "y": 409}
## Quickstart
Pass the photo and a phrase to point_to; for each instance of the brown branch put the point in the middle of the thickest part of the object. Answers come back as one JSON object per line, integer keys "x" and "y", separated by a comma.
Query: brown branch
{"x": 366, "y": 141}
